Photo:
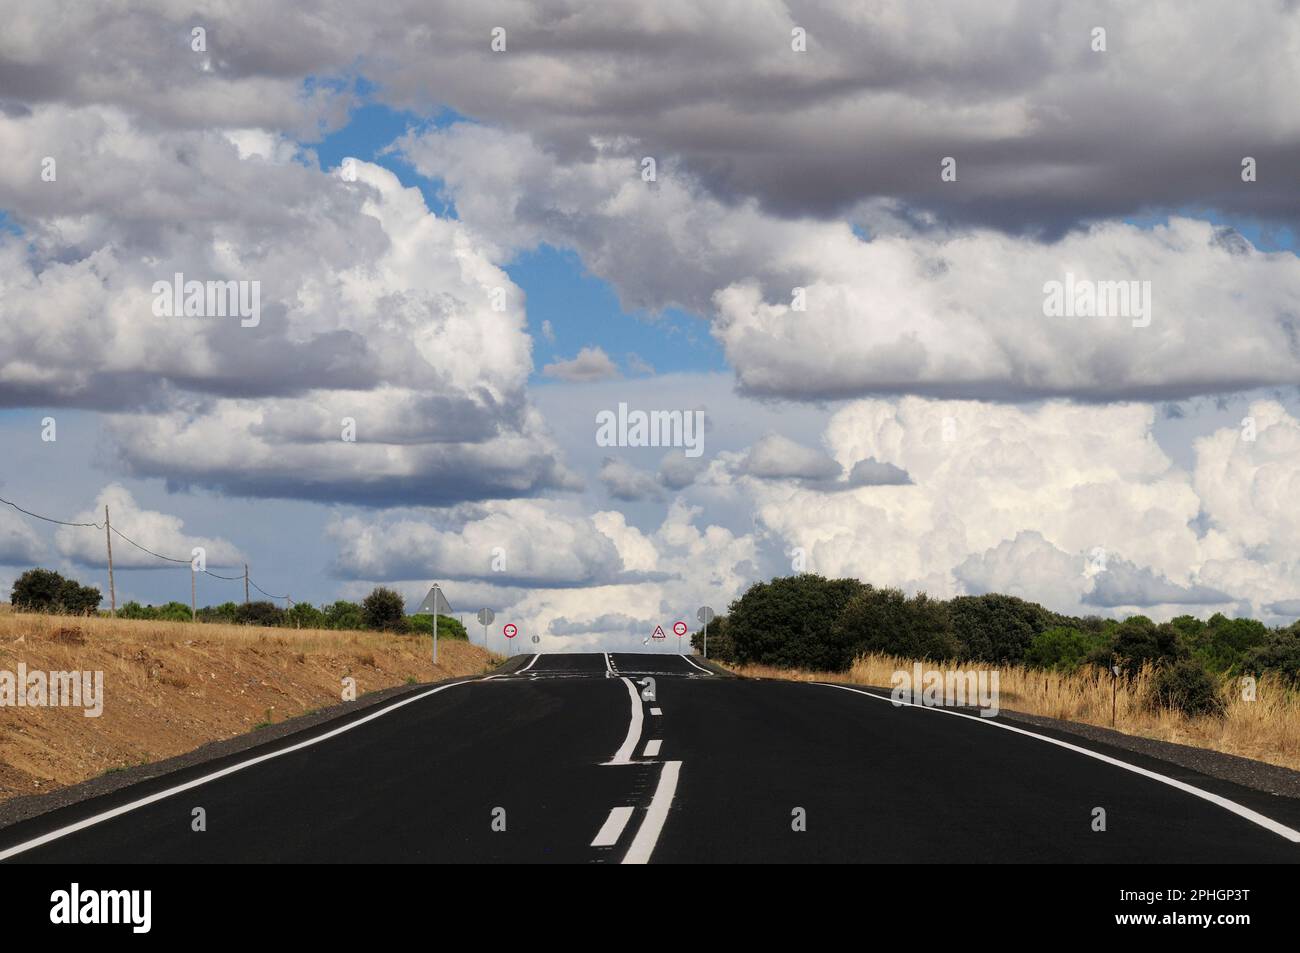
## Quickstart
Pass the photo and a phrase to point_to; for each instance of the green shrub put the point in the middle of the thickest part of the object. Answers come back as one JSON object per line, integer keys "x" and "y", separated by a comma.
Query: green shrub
{"x": 448, "y": 628}
{"x": 1062, "y": 648}
{"x": 227, "y": 613}
{"x": 1280, "y": 653}
{"x": 1186, "y": 687}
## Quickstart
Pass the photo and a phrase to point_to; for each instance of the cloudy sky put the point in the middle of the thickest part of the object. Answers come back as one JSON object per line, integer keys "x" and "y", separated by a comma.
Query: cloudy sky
{"x": 831, "y": 229}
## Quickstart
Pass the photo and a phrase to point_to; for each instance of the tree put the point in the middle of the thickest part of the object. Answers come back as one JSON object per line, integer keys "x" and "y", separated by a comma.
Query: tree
{"x": 1225, "y": 642}
{"x": 304, "y": 615}
{"x": 77, "y": 599}
{"x": 1138, "y": 641}
{"x": 998, "y": 628}
{"x": 259, "y": 613}
{"x": 888, "y": 622}
{"x": 384, "y": 609}
{"x": 788, "y": 622}
{"x": 344, "y": 615}
{"x": 44, "y": 590}
{"x": 721, "y": 646}
{"x": 37, "y": 590}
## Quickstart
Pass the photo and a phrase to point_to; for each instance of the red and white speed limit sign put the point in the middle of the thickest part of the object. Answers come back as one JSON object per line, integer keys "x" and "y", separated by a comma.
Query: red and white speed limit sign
{"x": 679, "y": 628}
{"x": 511, "y": 630}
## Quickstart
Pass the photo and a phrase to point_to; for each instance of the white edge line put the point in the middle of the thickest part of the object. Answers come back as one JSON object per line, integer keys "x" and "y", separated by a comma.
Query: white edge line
{"x": 536, "y": 656}
{"x": 168, "y": 792}
{"x": 612, "y": 829}
{"x": 697, "y": 665}
{"x": 652, "y": 748}
{"x": 647, "y": 835}
{"x": 624, "y": 754}
{"x": 1240, "y": 810}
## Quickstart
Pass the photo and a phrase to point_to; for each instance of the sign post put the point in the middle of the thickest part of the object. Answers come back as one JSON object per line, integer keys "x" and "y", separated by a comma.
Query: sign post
{"x": 485, "y": 617}
{"x": 705, "y": 615}
{"x": 435, "y": 602}
{"x": 510, "y": 631}
{"x": 679, "y": 630}
{"x": 658, "y": 634}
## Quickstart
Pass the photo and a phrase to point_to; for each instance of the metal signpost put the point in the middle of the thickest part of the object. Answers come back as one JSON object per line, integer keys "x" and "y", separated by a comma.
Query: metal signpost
{"x": 705, "y": 615}
{"x": 485, "y": 617}
{"x": 437, "y": 604}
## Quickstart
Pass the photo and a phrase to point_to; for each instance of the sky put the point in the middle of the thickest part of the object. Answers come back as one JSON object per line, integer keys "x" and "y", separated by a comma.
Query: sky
{"x": 956, "y": 297}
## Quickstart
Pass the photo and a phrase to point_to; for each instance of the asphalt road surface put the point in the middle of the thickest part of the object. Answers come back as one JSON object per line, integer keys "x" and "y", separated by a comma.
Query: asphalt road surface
{"x": 572, "y": 763}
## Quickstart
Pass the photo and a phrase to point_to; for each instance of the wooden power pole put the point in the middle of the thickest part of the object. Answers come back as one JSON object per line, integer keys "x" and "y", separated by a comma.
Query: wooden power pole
{"x": 245, "y": 583}
{"x": 112, "y": 590}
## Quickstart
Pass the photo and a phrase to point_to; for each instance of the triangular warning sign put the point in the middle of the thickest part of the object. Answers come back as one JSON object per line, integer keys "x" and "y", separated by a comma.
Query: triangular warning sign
{"x": 658, "y": 633}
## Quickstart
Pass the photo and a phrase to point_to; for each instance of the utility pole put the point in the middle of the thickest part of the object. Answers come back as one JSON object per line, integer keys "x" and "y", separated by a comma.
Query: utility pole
{"x": 245, "y": 583}
{"x": 112, "y": 590}
{"x": 194, "y": 610}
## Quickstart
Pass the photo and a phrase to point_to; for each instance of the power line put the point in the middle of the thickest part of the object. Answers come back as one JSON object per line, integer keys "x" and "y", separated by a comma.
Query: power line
{"x": 264, "y": 592}
{"x": 145, "y": 549}
{"x": 49, "y": 519}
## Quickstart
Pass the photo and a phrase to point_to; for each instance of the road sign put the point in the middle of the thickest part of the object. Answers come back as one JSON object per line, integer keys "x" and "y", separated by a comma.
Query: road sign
{"x": 705, "y": 615}
{"x": 658, "y": 633}
{"x": 435, "y": 604}
{"x": 485, "y": 616}
{"x": 679, "y": 629}
{"x": 435, "y": 600}
{"x": 536, "y": 639}
{"x": 511, "y": 630}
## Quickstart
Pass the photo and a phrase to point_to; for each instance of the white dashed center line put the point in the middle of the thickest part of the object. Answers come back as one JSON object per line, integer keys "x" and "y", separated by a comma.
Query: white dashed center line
{"x": 652, "y": 748}
{"x": 612, "y": 829}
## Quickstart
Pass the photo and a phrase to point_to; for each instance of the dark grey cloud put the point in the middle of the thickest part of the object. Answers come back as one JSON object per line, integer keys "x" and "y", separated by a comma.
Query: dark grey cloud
{"x": 609, "y": 622}
{"x": 1125, "y": 584}
{"x": 873, "y": 472}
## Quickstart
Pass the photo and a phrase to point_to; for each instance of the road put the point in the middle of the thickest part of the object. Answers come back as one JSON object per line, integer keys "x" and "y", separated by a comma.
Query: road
{"x": 566, "y": 757}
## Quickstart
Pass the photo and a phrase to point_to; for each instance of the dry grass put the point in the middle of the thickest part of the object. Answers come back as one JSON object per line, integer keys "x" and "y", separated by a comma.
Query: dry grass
{"x": 1267, "y": 729}
{"x": 172, "y": 686}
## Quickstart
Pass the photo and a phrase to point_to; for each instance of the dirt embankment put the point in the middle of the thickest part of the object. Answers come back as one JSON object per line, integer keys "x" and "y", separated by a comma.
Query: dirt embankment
{"x": 169, "y": 687}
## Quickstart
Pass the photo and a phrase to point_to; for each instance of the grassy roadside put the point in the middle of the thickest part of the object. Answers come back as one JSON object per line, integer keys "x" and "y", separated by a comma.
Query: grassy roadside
{"x": 1267, "y": 729}
{"x": 172, "y": 686}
